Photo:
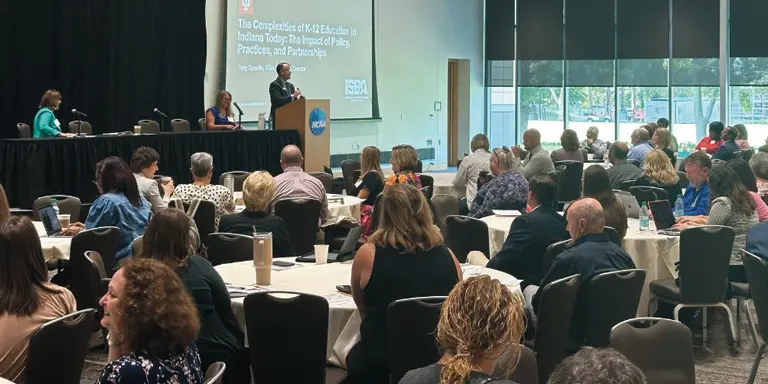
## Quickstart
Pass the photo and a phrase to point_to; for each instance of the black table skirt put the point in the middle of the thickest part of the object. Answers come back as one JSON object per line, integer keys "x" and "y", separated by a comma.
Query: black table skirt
{"x": 30, "y": 168}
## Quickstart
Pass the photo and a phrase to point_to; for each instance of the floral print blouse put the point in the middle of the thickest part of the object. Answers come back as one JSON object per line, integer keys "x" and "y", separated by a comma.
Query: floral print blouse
{"x": 406, "y": 177}
{"x": 141, "y": 368}
{"x": 506, "y": 191}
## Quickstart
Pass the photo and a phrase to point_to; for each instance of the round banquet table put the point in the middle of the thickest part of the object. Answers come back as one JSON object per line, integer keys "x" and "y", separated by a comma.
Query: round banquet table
{"x": 444, "y": 185}
{"x": 53, "y": 247}
{"x": 344, "y": 319}
{"x": 649, "y": 250}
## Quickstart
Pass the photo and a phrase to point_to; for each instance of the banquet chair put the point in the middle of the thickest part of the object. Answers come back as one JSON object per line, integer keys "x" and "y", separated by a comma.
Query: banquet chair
{"x": 68, "y": 205}
{"x": 444, "y": 205}
{"x": 419, "y": 167}
{"x": 24, "y": 131}
{"x": 205, "y": 216}
{"x": 299, "y": 352}
{"x": 411, "y": 325}
{"x": 149, "y": 126}
{"x": 526, "y": 370}
{"x": 748, "y": 154}
{"x": 427, "y": 181}
{"x": 348, "y": 168}
{"x": 629, "y": 202}
{"x": 552, "y": 251}
{"x": 201, "y": 123}
{"x": 743, "y": 295}
{"x": 569, "y": 176}
{"x": 136, "y": 246}
{"x": 613, "y": 235}
{"x": 301, "y": 217}
{"x": 239, "y": 177}
{"x": 627, "y": 184}
{"x": 56, "y": 351}
{"x": 635, "y": 162}
{"x": 612, "y": 297}
{"x": 757, "y": 275}
{"x": 226, "y": 248}
{"x": 324, "y": 178}
{"x": 90, "y": 284}
{"x": 376, "y": 212}
{"x": 85, "y": 127}
{"x": 645, "y": 194}
{"x": 464, "y": 234}
{"x": 558, "y": 300}
{"x": 104, "y": 240}
{"x": 705, "y": 252}
{"x": 180, "y": 125}
{"x": 215, "y": 373}
{"x": 661, "y": 348}
{"x": 682, "y": 180}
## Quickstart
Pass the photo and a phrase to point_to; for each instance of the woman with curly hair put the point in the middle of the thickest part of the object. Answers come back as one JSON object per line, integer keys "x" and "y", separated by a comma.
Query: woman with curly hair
{"x": 152, "y": 325}
{"x": 481, "y": 320}
{"x": 658, "y": 172}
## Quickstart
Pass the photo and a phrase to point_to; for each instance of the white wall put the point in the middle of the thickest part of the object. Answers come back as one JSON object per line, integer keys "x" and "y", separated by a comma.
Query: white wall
{"x": 414, "y": 40}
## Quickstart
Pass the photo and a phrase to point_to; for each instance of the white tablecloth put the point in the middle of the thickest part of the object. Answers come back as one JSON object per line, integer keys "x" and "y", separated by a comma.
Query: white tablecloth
{"x": 444, "y": 185}
{"x": 344, "y": 321}
{"x": 649, "y": 250}
{"x": 53, "y": 247}
{"x": 349, "y": 209}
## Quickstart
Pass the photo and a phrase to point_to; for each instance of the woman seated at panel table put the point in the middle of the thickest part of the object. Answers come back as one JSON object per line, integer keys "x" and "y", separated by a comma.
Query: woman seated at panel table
{"x": 404, "y": 257}
{"x": 220, "y": 116}
{"x": 658, "y": 172}
{"x": 201, "y": 188}
{"x": 153, "y": 324}
{"x": 120, "y": 205}
{"x": 167, "y": 240}
{"x": 28, "y": 300}
{"x": 46, "y": 124}
{"x": 258, "y": 193}
{"x": 404, "y": 162}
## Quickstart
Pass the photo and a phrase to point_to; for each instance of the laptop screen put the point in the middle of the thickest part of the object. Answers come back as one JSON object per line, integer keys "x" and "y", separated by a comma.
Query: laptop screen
{"x": 662, "y": 214}
{"x": 49, "y": 219}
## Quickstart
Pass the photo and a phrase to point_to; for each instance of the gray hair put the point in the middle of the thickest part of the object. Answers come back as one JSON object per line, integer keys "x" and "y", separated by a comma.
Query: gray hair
{"x": 201, "y": 164}
{"x": 593, "y": 132}
{"x": 759, "y": 165}
{"x": 506, "y": 159}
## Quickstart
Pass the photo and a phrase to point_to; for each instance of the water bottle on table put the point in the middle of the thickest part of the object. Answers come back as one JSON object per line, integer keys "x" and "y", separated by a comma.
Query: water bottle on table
{"x": 645, "y": 223}
{"x": 229, "y": 182}
{"x": 679, "y": 209}
{"x": 55, "y": 206}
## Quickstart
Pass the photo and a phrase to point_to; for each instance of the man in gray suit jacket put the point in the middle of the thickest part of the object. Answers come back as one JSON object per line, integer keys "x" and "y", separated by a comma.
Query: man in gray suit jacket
{"x": 537, "y": 162}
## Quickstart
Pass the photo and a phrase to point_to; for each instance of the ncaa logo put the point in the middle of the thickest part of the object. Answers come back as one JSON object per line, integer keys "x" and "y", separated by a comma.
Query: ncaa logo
{"x": 246, "y": 7}
{"x": 317, "y": 121}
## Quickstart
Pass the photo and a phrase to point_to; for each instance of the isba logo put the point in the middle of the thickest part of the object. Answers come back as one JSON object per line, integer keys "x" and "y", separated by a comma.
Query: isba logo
{"x": 355, "y": 87}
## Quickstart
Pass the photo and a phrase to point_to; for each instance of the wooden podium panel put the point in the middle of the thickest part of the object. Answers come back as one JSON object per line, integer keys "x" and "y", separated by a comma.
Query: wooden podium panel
{"x": 312, "y": 119}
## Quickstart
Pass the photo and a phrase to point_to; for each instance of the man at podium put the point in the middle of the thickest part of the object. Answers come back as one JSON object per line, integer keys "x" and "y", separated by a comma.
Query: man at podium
{"x": 281, "y": 92}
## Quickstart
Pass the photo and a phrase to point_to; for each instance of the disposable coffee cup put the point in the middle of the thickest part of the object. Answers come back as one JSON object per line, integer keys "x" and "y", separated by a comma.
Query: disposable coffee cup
{"x": 165, "y": 180}
{"x": 137, "y": 129}
{"x": 262, "y": 257}
{"x": 590, "y": 157}
{"x": 321, "y": 253}
{"x": 64, "y": 221}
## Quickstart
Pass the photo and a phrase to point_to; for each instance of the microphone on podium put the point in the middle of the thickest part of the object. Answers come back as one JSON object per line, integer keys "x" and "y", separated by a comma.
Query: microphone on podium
{"x": 159, "y": 112}
{"x": 78, "y": 113}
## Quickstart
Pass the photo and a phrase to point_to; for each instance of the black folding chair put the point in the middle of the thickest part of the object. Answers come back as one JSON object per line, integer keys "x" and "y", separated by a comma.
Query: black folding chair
{"x": 301, "y": 218}
{"x": 348, "y": 168}
{"x": 226, "y": 248}
{"x": 427, "y": 181}
{"x": 238, "y": 176}
{"x": 57, "y": 350}
{"x": 465, "y": 234}
{"x": 558, "y": 300}
{"x": 68, "y": 205}
{"x": 411, "y": 324}
{"x": 612, "y": 297}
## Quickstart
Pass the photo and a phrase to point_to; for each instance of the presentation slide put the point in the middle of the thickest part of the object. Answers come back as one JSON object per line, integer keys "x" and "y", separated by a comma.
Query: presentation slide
{"x": 328, "y": 43}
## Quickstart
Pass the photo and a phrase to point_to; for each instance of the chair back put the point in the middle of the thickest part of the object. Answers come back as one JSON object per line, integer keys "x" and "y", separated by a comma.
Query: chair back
{"x": 635, "y": 162}
{"x": 629, "y": 202}
{"x": 646, "y": 193}
{"x": 682, "y": 182}
{"x": 348, "y": 168}
{"x": 201, "y": 123}
{"x": 661, "y": 348}
{"x": 239, "y": 177}
{"x": 419, "y": 167}
{"x": 748, "y": 154}
{"x": 376, "y": 212}
{"x": 737, "y": 155}
{"x": 226, "y": 248}
{"x": 301, "y": 218}
{"x": 24, "y": 131}
{"x": 411, "y": 325}
{"x": 180, "y": 125}
{"x": 569, "y": 177}
{"x": 612, "y": 297}
{"x": 324, "y": 178}
{"x": 57, "y": 349}
{"x": 136, "y": 246}
{"x": 215, "y": 373}
{"x": 465, "y": 234}
{"x": 444, "y": 206}
{"x": 85, "y": 127}
{"x": 757, "y": 276}
{"x": 705, "y": 253}
{"x": 558, "y": 299}
{"x": 104, "y": 240}
{"x": 526, "y": 370}
{"x": 613, "y": 235}
{"x": 552, "y": 251}
{"x": 427, "y": 181}
{"x": 627, "y": 184}
{"x": 149, "y": 126}
{"x": 68, "y": 205}
{"x": 88, "y": 283}
{"x": 304, "y": 345}
{"x": 205, "y": 216}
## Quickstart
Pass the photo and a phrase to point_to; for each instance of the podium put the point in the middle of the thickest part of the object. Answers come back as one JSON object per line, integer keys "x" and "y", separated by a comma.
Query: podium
{"x": 312, "y": 118}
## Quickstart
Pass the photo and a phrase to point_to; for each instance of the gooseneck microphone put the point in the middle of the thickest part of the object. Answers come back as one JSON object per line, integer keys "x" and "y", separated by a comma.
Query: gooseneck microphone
{"x": 159, "y": 112}
{"x": 78, "y": 113}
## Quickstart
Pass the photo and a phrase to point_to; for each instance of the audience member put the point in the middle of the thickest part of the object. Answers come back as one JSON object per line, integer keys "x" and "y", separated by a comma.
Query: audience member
{"x": 696, "y": 196}
{"x": 404, "y": 257}
{"x": 27, "y": 299}
{"x": 481, "y": 321}
{"x": 742, "y": 136}
{"x": 663, "y": 122}
{"x": 144, "y": 166}
{"x": 594, "y": 145}
{"x": 662, "y": 139}
{"x": 370, "y": 185}
{"x": 152, "y": 324}
{"x": 640, "y": 146}
{"x": 729, "y": 146}
{"x": 750, "y": 183}
{"x": 651, "y": 128}
{"x": 221, "y": 339}
{"x": 120, "y": 205}
{"x": 759, "y": 165}
{"x": 258, "y": 194}
{"x": 507, "y": 190}
{"x": 295, "y": 184}
{"x": 658, "y": 172}
{"x": 597, "y": 185}
{"x": 531, "y": 234}
{"x": 201, "y": 187}
{"x": 592, "y": 253}
{"x": 621, "y": 170}
{"x": 571, "y": 150}
{"x": 537, "y": 162}
{"x": 470, "y": 168}
{"x": 404, "y": 162}
{"x": 221, "y": 116}
{"x": 5, "y": 210}
{"x": 597, "y": 366}
{"x": 711, "y": 143}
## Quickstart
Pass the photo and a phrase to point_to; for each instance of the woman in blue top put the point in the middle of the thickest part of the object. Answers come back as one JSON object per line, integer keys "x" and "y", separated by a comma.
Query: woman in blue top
{"x": 221, "y": 116}
{"x": 120, "y": 205}
{"x": 46, "y": 124}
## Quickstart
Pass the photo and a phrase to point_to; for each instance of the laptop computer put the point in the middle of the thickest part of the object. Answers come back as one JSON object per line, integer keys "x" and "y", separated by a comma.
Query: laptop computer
{"x": 346, "y": 252}
{"x": 663, "y": 217}
{"x": 50, "y": 221}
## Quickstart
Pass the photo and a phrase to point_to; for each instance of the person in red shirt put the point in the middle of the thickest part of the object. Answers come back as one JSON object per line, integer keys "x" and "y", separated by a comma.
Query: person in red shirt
{"x": 712, "y": 142}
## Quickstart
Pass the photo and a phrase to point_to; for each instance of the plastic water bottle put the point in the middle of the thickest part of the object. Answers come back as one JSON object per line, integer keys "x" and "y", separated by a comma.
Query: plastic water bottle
{"x": 644, "y": 220}
{"x": 55, "y": 206}
{"x": 229, "y": 182}
{"x": 679, "y": 209}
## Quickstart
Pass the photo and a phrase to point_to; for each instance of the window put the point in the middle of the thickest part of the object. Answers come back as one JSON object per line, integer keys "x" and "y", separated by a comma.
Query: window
{"x": 501, "y": 97}
{"x": 643, "y": 94}
{"x": 695, "y": 100}
{"x": 749, "y": 97}
{"x": 541, "y": 100}
{"x": 591, "y": 98}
